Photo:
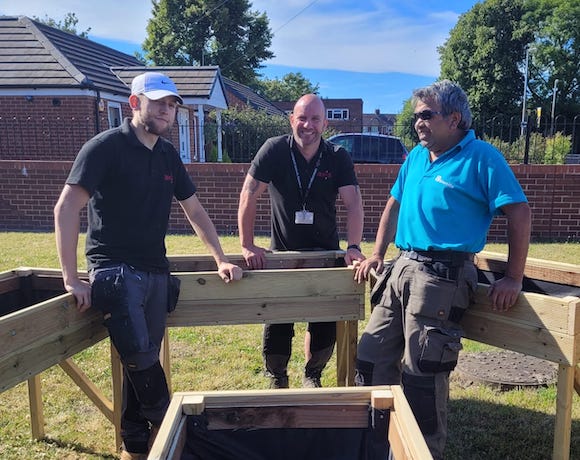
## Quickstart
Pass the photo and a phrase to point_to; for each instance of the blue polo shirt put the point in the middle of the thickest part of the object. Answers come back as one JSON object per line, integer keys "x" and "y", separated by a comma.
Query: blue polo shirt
{"x": 448, "y": 204}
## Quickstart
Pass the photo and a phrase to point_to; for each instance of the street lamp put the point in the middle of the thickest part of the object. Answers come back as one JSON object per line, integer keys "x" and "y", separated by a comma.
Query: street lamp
{"x": 554, "y": 105}
{"x": 524, "y": 97}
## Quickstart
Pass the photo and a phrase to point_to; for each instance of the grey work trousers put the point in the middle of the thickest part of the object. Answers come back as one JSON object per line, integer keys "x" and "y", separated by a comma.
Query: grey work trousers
{"x": 413, "y": 338}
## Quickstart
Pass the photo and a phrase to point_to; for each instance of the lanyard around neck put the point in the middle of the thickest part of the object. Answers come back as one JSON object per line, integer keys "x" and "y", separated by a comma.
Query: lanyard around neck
{"x": 304, "y": 193}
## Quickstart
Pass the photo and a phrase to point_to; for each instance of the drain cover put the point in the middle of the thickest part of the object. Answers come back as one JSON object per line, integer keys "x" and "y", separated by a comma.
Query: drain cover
{"x": 506, "y": 369}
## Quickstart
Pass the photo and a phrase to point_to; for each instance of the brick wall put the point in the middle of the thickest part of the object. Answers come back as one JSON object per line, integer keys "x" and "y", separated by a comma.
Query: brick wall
{"x": 29, "y": 190}
{"x": 47, "y": 127}
{"x": 54, "y": 128}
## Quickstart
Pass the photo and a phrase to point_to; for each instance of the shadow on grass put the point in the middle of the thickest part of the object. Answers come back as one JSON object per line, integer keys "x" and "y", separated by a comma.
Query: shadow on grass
{"x": 482, "y": 430}
{"x": 78, "y": 448}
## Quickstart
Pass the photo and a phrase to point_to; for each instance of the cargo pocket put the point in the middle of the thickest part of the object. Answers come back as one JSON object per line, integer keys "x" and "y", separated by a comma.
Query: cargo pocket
{"x": 173, "y": 288}
{"x": 381, "y": 282}
{"x": 440, "y": 348}
{"x": 109, "y": 295}
{"x": 431, "y": 296}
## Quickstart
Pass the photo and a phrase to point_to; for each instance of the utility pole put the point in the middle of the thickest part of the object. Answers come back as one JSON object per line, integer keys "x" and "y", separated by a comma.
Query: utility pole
{"x": 554, "y": 106}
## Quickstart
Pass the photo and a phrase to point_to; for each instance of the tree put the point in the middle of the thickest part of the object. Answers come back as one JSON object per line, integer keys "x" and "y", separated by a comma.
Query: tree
{"x": 290, "y": 88}
{"x": 404, "y": 126}
{"x": 209, "y": 32}
{"x": 68, "y": 24}
{"x": 555, "y": 55}
{"x": 484, "y": 54}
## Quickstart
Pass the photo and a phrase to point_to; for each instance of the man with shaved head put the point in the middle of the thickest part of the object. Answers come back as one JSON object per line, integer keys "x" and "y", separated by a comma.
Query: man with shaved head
{"x": 304, "y": 175}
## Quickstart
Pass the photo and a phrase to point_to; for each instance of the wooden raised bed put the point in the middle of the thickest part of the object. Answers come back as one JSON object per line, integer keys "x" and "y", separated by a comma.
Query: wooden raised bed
{"x": 40, "y": 326}
{"x": 291, "y": 418}
{"x": 540, "y": 325}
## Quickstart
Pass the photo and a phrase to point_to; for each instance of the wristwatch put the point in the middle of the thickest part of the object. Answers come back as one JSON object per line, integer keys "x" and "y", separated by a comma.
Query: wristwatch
{"x": 353, "y": 246}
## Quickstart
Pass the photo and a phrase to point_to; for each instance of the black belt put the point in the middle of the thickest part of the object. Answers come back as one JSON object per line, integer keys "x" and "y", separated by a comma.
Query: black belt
{"x": 449, "y": 257}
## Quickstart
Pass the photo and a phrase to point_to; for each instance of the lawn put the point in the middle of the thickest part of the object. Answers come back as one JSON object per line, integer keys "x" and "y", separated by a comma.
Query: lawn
{"x": 484, "y": 422}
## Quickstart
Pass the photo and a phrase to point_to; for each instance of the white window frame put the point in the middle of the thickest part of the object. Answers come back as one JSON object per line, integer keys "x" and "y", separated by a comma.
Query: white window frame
{"x": 338, "y": 114}
{"x": 114, "y": 106}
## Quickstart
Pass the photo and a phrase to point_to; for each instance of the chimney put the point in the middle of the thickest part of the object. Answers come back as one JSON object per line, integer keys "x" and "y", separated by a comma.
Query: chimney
{"x": 377, "y": 111}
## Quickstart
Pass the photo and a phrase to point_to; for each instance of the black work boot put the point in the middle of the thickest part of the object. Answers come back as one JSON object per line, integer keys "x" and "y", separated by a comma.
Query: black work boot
{"x": 311, "y": 382}
{"x": 276, "y": 369}
{"x": 279, "y": 382}
{"x": 314, "y": 367}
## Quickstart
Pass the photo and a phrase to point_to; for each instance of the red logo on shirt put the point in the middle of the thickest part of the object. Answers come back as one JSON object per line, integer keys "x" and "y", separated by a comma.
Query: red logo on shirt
{"x": 324, "y": 175}
{"x": 168, "y": 178}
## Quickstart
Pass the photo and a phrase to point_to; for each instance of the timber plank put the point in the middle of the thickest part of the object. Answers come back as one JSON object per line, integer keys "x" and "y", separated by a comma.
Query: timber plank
{"x": 533, "y": 341}
{"x": 274, "y": 260}
{"x": 538, "y": 325}
{"x": 535, "y": 310}
{"x": 299, "y": 416}
{"x": 282, "y": 398}
{"x": 172, "y": 427}
{"x": 405, "y": 435}
{"x": 38, "y": 337}
{"x": 539, "y": 269}
{"x": 258, "y": 284}
{"x": 271, "y": 310}
{"x": 25, "y": 327}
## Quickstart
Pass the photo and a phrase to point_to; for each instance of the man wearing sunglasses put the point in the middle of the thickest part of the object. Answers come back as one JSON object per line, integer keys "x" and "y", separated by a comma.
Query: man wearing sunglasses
{"x": 438, "y": 214}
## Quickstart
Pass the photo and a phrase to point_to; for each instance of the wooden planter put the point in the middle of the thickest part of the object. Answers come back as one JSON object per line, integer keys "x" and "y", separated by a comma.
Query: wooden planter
{"x": 290, "y": 418}
{"x": 40, "y": 326}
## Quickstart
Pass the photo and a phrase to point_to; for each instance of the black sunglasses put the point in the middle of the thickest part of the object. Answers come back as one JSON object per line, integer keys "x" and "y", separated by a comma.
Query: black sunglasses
{"x": 425, "y": 115}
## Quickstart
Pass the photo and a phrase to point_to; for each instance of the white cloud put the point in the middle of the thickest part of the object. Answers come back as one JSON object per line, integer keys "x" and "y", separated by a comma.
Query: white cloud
{"x": 365, "y": 36}
{"x": 112, "y": 19}
{"x": 375, "y": 38}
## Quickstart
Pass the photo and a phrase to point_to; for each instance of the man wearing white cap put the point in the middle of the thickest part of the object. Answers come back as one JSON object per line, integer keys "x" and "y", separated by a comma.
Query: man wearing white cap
{"x": 128, "y": 177}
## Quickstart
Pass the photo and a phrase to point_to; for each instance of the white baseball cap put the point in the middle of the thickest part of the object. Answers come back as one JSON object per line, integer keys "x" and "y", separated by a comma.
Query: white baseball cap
{"x": 155, "y": 86}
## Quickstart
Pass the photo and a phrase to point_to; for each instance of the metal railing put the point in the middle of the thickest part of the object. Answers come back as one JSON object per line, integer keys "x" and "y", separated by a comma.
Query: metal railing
{"x": 60, "y": 138}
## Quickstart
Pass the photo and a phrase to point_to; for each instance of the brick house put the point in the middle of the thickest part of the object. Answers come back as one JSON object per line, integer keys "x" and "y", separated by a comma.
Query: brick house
{"x": 238, "y": 95}
{"x": 57, "y": 90}
{"x": 379, "y": 123}
{"x": 344, "y": 115}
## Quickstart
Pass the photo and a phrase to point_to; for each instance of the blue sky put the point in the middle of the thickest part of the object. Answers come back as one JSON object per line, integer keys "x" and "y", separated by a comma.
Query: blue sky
{"x": 376, "y": 50}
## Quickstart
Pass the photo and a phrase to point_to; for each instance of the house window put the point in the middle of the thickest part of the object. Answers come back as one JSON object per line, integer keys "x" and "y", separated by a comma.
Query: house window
{"x": 337, "y": 114}
{"x": 114, "y": 112}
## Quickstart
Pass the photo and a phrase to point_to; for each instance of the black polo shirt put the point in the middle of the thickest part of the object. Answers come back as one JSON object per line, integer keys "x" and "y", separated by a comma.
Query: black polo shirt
{"x": 273, "y": 165}
{"x": 131, "y": 189}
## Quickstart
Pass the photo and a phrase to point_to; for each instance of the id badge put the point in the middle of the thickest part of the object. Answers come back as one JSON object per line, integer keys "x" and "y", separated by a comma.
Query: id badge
{"x": 304, "y": 217}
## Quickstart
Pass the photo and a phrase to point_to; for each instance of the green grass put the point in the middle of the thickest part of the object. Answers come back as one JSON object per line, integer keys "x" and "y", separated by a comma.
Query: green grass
{"x": 483, "y": 423}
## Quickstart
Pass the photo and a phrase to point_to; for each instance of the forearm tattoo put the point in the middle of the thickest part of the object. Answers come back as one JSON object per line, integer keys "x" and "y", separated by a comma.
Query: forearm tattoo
{"x": 251, "y": 186}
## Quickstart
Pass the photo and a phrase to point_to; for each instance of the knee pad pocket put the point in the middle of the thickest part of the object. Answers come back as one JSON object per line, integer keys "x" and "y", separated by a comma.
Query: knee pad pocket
{"x": 420, "y": 393}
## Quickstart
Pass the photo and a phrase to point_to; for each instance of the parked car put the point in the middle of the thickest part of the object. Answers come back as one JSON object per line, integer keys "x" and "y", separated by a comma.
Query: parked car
{"x": 372, "y": 148}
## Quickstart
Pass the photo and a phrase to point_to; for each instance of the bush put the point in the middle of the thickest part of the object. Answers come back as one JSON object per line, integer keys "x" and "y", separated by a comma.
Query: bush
{"x": 541, "y": 149}
{"x": 557, "y": 147}
{"x": 245, "y": 130}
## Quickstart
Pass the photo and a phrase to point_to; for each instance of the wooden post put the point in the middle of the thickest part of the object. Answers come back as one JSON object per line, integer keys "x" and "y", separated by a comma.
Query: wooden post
{"x": 563, "y": 425}
{"x": 346, "y": 343}
{"x": 35, "y": 405}
{"x": 165, "y": 358}
{"x": 117, "y": 378}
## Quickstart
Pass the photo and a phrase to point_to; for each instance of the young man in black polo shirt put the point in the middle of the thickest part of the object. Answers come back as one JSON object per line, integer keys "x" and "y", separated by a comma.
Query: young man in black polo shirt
{"x": 304, "y": 175}
{"x": 128, "y": 176}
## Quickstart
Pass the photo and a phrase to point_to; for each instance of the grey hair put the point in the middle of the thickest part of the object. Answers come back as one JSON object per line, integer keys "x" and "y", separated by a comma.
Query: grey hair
{"x": 449, "y": 96}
